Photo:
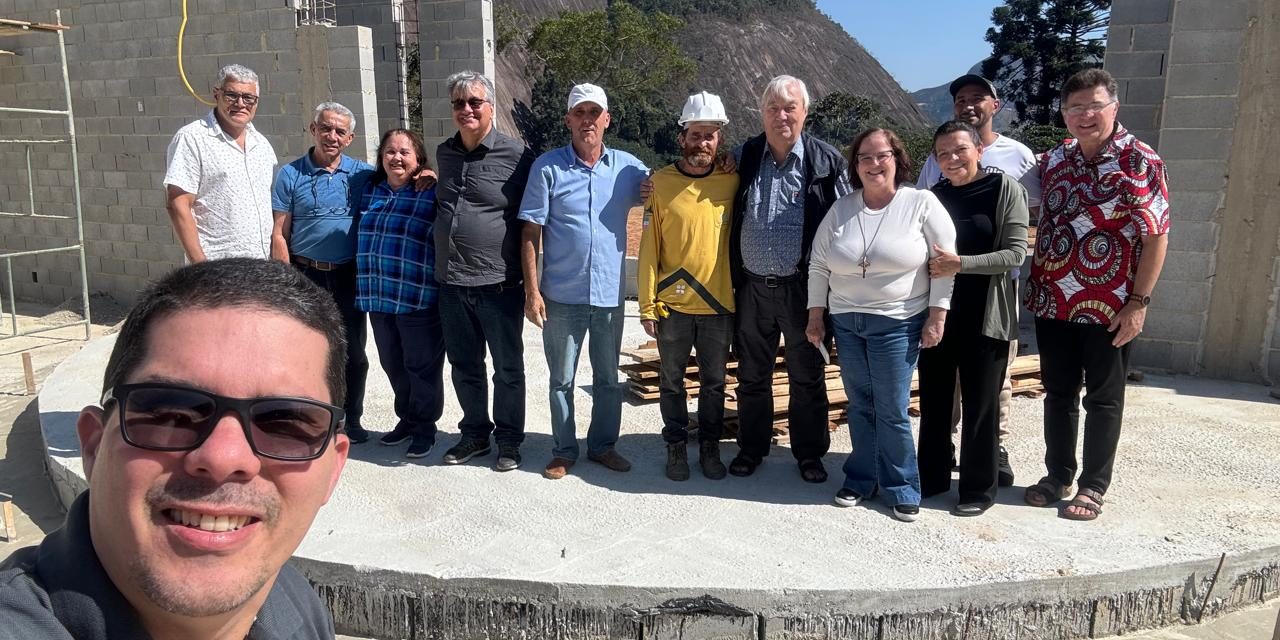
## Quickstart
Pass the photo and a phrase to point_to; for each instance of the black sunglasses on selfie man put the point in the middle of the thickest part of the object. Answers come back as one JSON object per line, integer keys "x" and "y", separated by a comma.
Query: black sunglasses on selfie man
{"x": 171, "y": 417}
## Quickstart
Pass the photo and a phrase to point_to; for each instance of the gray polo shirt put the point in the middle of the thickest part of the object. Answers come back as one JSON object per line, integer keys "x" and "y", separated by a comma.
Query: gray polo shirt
{"x": 59, "y": 590}
{"x": 477, "y": 234}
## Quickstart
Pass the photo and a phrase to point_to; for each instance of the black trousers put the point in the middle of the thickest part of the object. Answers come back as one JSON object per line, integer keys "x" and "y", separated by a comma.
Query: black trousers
{"x": 341, "y": 284}
{"x": 765, "y": 313}
{"x": 476, "y": 319}
{"x": 708, "y": 336}
{"x": 1074, "y": 355}
{"x": 980, "y": 363}
{"x": 411, "y": 350}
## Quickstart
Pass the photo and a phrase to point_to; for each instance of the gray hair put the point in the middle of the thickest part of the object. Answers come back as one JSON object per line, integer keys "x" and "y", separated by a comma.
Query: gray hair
{"x": 335, "y": 108}
{"x": 467, "y": 79}
{"x": 779, "y": 85}
{"x": 236, "y": 73}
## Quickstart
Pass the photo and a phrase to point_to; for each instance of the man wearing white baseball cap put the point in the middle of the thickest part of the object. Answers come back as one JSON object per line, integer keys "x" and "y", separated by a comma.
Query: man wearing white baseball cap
{"x": 576, "y": 204}
{"x": 685, "y": 287}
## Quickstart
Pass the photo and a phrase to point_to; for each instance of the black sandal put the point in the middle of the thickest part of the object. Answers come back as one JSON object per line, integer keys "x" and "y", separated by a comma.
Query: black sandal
{"x": 1092, "y": 509}
{"x": 811, "y": 470}
{"x": 1045, "y": 492}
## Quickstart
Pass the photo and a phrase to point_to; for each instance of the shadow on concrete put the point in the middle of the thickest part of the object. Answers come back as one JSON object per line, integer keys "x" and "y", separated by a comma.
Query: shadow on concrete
{"x": 1210, "y": 388}
{"x": 23, "y": 478}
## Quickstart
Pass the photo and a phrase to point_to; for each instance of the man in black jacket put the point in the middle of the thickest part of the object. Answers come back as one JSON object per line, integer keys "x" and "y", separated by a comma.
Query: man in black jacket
{"x": 218, "y": 439}
{"x": 788, "y": 181}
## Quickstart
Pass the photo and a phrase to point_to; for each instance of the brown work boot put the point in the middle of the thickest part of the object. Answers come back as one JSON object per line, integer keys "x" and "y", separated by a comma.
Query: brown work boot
{"x": 612, "y": 460}
{"x": 709, "y": 458}
{"x": 557, "y": 468}
{"x": 677, "y": 461}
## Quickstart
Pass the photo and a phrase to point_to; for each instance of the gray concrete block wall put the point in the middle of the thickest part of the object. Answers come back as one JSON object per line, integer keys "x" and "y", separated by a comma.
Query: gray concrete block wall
{"x": 128, "y": 101}
{"x": 447, "y": 30}
{"x": 1137, "y": 52}
{"x": 379, "y": 17}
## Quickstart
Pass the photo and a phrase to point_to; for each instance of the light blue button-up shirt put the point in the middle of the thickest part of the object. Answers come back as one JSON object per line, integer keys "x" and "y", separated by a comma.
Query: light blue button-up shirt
{"x": 773, "y": 224}
{"x": 583, "y": 213}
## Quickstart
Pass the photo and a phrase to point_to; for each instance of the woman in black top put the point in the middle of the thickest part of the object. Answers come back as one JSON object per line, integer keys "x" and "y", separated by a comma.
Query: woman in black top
{"x": 989, "y": 210}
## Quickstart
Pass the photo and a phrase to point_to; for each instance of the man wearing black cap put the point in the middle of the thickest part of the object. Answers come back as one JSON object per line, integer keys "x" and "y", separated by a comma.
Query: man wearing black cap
{"x": 976, "y": 102}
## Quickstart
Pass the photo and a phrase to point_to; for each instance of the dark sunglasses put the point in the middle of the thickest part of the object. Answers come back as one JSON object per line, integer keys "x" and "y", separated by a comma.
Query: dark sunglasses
{"x": 232, "y": 97}
{"x": 170, "y": 417}
{"x": 474, "y": 103}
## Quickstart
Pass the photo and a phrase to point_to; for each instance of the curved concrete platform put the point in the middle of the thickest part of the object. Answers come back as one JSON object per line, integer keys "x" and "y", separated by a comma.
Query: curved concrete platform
{"x": 417, "y": 549}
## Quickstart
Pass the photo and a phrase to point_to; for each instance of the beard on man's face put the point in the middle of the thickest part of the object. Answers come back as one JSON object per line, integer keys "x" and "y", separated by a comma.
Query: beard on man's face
{"x": 697, "y": 155}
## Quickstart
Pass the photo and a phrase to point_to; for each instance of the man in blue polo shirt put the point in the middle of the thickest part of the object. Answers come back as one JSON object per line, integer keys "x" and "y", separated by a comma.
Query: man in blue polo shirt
{"x": 314, "y": 206}
{"x": 576, "y": 202}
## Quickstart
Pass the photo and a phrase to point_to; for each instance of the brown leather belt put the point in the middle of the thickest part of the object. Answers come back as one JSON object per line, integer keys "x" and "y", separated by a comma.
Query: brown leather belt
{"x": 316, "y": 264}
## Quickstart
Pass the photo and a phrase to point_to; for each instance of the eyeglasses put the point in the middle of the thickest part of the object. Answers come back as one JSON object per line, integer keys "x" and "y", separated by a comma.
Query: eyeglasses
{"x": 1091, "y": 108}
{"x": 232, "y": 97}
{"x": 169, "y": 417}
{"x": 874, "y": 158}
{"x": 474, "y": 103}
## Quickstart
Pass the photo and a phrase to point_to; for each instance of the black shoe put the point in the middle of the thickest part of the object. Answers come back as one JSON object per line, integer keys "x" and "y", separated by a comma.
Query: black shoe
{"x": 743, "y": 465}
{"x": 970, "y": 509}
{"x": 356, "y": 434}
{"x": 906, "y": 512}
{"x": 709, "y": 460}
{"x": 466, "y": 449}
{"x": 1006, "y": 471}
{"x": 848, "y": 498}
{"x": 420, "y": 447}
{"x": 508, "y": 457}
{"x": 677, "y": 461}
{"x": 402, "y": 433}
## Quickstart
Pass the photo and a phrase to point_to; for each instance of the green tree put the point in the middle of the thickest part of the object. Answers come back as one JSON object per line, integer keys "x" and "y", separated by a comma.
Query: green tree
{"x": 839, "y": 117}
{"x": 633, "y": 55}
{"x": 1037, "y": 44}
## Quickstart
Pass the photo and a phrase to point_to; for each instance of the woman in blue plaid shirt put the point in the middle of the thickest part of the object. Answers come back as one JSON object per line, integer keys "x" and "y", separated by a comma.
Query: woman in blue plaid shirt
{"x": 396, "y": 284}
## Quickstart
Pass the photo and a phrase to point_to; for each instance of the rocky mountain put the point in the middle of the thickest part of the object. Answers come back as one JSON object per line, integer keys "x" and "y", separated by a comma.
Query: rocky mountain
{"x": 736, "y": 57}
{"x": 935, "y": 103}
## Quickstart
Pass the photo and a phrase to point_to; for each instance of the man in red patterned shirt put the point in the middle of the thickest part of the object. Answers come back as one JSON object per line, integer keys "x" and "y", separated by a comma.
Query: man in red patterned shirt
{"x": 1100, "y": 245}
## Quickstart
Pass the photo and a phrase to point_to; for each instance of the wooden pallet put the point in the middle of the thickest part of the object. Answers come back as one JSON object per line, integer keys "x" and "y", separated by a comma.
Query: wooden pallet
{"x": 643, "y": 374}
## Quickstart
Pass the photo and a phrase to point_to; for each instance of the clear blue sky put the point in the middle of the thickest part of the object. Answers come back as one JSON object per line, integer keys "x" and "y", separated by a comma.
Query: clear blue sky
{"x": 922, "y": 43}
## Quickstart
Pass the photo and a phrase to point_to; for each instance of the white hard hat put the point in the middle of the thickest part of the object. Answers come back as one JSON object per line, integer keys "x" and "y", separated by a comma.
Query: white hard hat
{"x": 705, "y": 108}
{"x": 588, "y": 93}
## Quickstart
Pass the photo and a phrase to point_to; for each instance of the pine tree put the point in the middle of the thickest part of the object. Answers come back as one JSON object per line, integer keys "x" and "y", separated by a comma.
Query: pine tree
{"x": 1037, "y": 44}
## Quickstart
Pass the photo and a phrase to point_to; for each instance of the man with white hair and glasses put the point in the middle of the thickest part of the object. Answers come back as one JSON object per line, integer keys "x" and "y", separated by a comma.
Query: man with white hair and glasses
{"x": 218, "y": 176}
{"x": 788, "y": 181}
{"x": 314, "y": 203}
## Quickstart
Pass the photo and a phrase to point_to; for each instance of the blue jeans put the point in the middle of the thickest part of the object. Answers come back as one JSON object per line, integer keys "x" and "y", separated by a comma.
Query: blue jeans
{"x": 473, "y": 318}
{"x": 562, "y": 335}
{"x": 877, "y": 357}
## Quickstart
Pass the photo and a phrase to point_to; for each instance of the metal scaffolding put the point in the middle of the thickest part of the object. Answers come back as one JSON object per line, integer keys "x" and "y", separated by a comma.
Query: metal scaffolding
{"x": 19, "y": 27}
{"x": 317, "y": 12}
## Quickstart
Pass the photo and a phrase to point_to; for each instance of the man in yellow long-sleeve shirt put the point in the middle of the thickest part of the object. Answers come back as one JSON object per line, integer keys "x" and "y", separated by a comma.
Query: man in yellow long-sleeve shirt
{"x": 685, "y": 287}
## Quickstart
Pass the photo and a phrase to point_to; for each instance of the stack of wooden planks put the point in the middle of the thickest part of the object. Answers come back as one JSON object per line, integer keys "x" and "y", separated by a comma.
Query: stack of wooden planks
{"x": 643, "y": 373}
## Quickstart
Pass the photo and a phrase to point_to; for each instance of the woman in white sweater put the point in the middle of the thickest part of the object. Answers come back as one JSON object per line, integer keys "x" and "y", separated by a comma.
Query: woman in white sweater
{"x": 870, "y": 267}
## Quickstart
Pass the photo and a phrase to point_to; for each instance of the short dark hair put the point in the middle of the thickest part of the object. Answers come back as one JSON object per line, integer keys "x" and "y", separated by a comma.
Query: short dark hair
{"x": 1088, "y": 79}
{"x": 901, "y": 159}
{"x": 956, "y": 126}
{"x": 250, "y": 283}
{"x": 419, "y": 149}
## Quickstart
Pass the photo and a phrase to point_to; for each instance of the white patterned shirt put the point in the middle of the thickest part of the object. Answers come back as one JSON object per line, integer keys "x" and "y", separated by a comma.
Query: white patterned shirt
{"x": 232, "y": 187}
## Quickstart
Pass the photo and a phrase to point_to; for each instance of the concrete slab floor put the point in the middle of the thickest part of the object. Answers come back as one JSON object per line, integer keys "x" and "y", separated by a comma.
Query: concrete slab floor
{"x": 23, "y": 479}
{"x": 1194, "y": 479}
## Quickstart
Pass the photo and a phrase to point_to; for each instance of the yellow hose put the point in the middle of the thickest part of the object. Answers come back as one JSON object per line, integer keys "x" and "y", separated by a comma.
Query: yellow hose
{"x": 181, "y": 71}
